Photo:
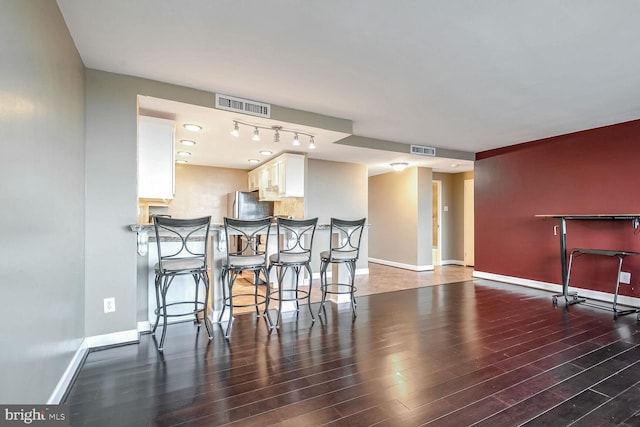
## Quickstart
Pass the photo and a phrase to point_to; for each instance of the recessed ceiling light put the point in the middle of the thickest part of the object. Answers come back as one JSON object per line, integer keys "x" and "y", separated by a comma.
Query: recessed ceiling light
{"x": 187, "y": 142}
{"x": 192, "y": 127}
{"x": 399, "y": 166}
{"x": 454, "y": 165}
{"x": 181, "y": 161}
{"x": 254, "y": 161}
{"x": 183, "y": 153}
{"x": 266, "y": 152}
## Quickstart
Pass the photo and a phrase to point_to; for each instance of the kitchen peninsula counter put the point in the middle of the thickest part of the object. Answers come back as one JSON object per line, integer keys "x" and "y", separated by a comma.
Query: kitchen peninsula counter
{"x": 148, "y": 257}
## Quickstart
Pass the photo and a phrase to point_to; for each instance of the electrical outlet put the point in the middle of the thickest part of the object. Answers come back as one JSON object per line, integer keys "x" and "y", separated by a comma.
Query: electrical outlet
{"x": 625, "y": 277}
{"x": 109, "y": 305}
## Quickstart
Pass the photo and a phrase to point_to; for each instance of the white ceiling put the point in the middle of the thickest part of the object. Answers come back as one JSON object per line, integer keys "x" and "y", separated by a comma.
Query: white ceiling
{"x": 465, "y": 75}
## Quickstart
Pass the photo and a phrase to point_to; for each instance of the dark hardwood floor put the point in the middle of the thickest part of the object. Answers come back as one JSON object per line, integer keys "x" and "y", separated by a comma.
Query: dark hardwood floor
{"x": 466, "y": 353}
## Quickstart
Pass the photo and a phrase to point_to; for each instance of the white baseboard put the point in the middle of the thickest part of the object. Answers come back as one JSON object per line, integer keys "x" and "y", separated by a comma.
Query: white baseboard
{"x": 359, "y": 272}
{"x": 452, "y": 262}
{"x": 67, "y": 377}
{"x": 553, "y": 287}
{"x": 144, "y": 327}
{"x": 401, "y": 265}
{"x": 116, "y": 338}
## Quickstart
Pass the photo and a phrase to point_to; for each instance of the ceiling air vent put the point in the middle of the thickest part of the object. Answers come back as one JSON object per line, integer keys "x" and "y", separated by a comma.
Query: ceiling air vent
{"x": 423, "y": 151}
{"x": 239, "y": 105}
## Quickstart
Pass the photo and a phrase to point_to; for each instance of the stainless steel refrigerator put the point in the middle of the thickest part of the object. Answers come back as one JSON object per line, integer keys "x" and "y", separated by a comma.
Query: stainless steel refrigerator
{"x": 246, "y": 205}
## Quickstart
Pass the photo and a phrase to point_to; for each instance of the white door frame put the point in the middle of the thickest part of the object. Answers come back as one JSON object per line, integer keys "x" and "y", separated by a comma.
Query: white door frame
{"x": 439, "y": 223}
{"x": 469, "y": 226}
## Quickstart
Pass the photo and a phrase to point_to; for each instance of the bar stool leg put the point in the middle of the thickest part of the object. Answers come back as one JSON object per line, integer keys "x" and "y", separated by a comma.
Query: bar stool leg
{"x": 196, "y": 278}
{"x": 280, "y": 272}
{"x": 352, "y": 273}
{"x": 313, "y": 319}
{"x": 205, "y": 312}
{"x": 231, "y": 276}
{"x": 223, "y": 280}
{"x": 265, "y": 313}
{"x": 323, "y": 286}
{"x": 157, "y": 286}
{"x": 165, "y": 288}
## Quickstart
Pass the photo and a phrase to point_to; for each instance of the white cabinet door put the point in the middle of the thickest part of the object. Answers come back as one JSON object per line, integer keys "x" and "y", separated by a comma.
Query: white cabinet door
{"x": 156, "y": 163}
{"x": 291, "y": 176}
{"x": 269, "y": 181}
{"x": 279, "y": 178}
{"x": 254, "y": 180}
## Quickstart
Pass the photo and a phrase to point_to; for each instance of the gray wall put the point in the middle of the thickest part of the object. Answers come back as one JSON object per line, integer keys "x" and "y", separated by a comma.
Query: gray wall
{"x": 42, "y": 173}
{"x": 340, "y": 190}
{"x": 111, "y": 143}
{"x": 400, "y": 209}
{"x": 451, "y": 221}
{"x": 111, "y": 146}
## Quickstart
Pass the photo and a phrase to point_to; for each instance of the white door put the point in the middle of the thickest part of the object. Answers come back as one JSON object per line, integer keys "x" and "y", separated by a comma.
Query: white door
{"x": 468, "y": 223}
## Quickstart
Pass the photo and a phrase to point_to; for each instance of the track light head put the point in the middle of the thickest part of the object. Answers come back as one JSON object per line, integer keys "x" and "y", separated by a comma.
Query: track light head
{"x": 236, "y": 129}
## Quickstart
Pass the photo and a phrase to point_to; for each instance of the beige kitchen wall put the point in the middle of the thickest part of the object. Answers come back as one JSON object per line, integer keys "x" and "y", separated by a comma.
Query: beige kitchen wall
{"x": 202, "y": 191}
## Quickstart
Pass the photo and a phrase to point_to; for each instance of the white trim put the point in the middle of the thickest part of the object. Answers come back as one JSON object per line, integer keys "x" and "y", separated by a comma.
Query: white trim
{"x": 553, "y": 287}
{"x": 122, "y": 337}
{"x": 144, "y": 326}
{"x": 67, "y": 377}
{"x": 359, "y": 272}
{"x": 452, "y": 262}
{"x": 402, "y": 265}
{"x": 440, "y": 210}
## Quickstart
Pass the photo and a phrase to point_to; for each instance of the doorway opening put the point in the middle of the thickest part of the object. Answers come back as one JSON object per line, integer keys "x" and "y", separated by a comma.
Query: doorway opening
{"x": 436, "y": 192}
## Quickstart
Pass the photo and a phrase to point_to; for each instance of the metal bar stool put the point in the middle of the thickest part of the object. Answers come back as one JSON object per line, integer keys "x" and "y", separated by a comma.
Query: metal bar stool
{"x": 295, "y": 240}
{"x": 344, "y": 248}
{"x": 247, "y": 255}
{"x": 182, "y": 252}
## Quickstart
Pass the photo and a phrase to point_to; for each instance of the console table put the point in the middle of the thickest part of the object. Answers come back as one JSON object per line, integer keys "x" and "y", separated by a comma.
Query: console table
{"x": 575, "y": 299}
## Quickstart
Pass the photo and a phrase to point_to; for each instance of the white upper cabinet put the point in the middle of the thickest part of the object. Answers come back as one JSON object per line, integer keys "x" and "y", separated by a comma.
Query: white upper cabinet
{"x": 156, "y": 162}
{"x": 279, "y": 178}
{"x": 291, "y": 175}
{"x": 254, "y": 180}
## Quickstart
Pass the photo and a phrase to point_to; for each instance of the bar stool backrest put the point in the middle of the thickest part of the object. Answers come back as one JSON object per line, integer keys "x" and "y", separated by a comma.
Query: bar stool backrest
{"x": 247, "y": 235}
{"x": 346, "y": 244}
{"x": 192, "y": 236}
{"x": 295, "y": 238}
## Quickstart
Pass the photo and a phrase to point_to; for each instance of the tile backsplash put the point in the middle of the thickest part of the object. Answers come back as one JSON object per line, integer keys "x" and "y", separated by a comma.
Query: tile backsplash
{"x": 289, "y": 206}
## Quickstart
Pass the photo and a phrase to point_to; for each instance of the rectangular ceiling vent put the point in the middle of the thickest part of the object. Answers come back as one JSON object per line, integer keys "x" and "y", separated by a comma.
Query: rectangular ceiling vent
{"x": 239, "y": 105}
{"x": 423, "y": 151}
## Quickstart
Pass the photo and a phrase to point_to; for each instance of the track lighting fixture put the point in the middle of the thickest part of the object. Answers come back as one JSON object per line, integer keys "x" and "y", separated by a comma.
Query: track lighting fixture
{"x": 276, "y": 133}
{"x": 236, "y": 129}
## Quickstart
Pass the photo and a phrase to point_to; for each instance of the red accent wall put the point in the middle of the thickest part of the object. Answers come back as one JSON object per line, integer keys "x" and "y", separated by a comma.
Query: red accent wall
{"x": 588, "y": 172}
